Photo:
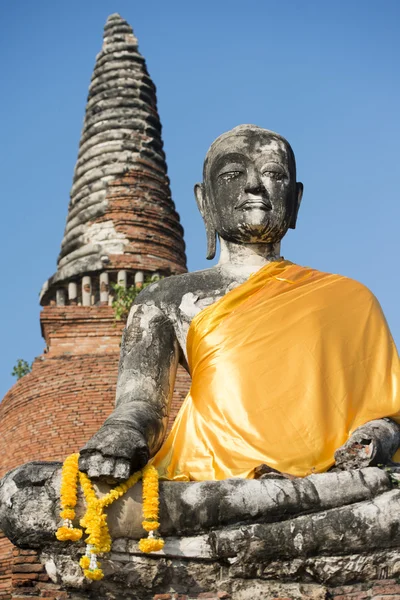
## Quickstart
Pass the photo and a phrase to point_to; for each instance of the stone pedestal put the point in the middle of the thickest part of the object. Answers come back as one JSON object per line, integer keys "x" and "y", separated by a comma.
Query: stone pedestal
{"x": 243, "y": 539}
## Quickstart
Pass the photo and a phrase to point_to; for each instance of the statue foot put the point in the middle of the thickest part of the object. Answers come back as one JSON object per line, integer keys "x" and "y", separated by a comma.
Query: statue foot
{"x": 371, "y": 444}
{"x": 114, "y": 453}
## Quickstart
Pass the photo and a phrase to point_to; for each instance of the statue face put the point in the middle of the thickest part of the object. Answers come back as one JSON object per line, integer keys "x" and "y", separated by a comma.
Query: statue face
{"x": 251, "y": 190}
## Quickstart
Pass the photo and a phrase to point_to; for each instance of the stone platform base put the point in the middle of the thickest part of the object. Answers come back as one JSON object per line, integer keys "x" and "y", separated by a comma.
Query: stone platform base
{"x": 386, "y": 589}
{"x": 133, "y": 577}
{"x": 244, "y": 539}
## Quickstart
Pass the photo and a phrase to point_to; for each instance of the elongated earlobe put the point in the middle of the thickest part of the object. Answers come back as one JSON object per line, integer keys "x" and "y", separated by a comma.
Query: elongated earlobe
{"x": 299, "y": 195}
{"x": 200, "y": 196}
{"x": 211, "y": 242}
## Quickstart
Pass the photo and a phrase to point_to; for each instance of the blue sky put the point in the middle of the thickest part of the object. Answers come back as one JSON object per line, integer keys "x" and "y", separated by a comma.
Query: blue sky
{"x": 323, "y": 74}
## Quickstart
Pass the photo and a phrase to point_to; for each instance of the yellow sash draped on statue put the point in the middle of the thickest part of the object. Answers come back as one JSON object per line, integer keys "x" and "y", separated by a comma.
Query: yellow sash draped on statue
{"x": 284, "y": 368}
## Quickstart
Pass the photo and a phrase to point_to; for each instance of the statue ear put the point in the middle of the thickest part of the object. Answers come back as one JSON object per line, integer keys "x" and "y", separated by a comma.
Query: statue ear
{"x": 298, "y": 197}
{"x": 205, "y": 212}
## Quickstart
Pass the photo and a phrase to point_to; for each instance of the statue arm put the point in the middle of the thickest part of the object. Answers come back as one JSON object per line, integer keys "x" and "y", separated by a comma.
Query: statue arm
{"x": 135, "y": 430}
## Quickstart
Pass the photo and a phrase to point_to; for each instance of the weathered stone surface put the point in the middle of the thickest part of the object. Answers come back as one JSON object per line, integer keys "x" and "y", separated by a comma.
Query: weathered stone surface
{"x": 332, "y": 570}
{"x": 197, "y": 547}
{"x": 139, "y": 577}
{"x": 347, "y": 507}
{"x": 133, "y": 576}
{"x": 257, "y": 541}
{"x": 353, "y": 528}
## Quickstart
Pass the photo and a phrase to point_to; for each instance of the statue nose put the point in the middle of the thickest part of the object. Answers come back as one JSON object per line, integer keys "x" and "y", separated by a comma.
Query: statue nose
{"x": 253, "y": 182}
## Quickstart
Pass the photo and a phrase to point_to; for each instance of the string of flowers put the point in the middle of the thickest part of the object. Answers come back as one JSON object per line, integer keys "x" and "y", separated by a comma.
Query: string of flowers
{"x": 69, "y": 479}
{"x": 150, "y": 511}
{"x": 94, "y": 521}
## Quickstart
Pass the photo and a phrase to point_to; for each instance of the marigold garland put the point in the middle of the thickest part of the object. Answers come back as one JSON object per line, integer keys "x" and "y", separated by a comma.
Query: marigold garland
{"x": 85, "y": 562}
{"x": 69, "y": 478}
{"x": 94, "y": 521}
{"x": 150, "y": 511}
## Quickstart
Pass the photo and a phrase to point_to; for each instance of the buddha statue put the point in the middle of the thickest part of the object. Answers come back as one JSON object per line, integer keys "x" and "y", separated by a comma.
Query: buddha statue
{"x": 294, "y": 373}
{"x": 291, "y": 367}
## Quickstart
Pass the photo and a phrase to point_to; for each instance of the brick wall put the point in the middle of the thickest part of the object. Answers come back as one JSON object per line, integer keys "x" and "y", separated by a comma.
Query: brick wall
{"x": 55, "y": 409}
{"x": 29, "y": 578}
{"x": 6, "y": 556}
{"x": 76, "y": 330}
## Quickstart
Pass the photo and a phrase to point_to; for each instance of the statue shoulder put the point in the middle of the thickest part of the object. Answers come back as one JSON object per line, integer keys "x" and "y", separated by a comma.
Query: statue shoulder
{"x": 167, "y": 293}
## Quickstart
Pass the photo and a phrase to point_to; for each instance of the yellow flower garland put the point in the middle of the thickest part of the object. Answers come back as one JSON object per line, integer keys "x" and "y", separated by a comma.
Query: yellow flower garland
{"x": 69, "y": 477}
{"x": 94, "y": 521}
{"x": 150, "y": 511}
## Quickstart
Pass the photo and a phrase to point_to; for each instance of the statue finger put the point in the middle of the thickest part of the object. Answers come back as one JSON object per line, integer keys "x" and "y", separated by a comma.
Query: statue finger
{"x": 94, "y": 463}
{"x": 122, "y": 469}
{"x": 83, "y": 463}
{"x": 107, "y": 466}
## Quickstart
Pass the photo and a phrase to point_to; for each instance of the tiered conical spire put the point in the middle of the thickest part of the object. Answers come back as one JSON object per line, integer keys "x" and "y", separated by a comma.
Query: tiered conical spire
{"x": 121, "y": 215}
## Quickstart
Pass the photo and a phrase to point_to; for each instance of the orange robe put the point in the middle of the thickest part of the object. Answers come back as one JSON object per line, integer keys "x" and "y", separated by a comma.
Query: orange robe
{"x": 284, "y": 368}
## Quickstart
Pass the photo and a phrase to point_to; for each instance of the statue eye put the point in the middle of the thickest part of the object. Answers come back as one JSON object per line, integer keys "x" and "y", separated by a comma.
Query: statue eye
{"x": 274, "y": 174}
{"x": 228, "y": 175}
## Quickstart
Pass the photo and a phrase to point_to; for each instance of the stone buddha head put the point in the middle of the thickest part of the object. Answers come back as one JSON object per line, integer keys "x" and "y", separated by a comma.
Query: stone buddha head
{"x": 249, "y": 192}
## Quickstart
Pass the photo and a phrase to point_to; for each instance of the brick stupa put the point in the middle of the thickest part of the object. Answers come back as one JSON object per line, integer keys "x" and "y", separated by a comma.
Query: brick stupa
{"x": 122, "y": 228}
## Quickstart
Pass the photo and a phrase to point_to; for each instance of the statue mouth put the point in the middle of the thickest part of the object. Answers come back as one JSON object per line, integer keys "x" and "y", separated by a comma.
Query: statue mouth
{"x": 255, "y": 202}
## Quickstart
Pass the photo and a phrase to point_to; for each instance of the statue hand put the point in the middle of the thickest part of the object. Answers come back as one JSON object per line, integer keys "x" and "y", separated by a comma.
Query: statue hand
{"x": 371, "y": 444}
{"x": 115, "y": 452}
